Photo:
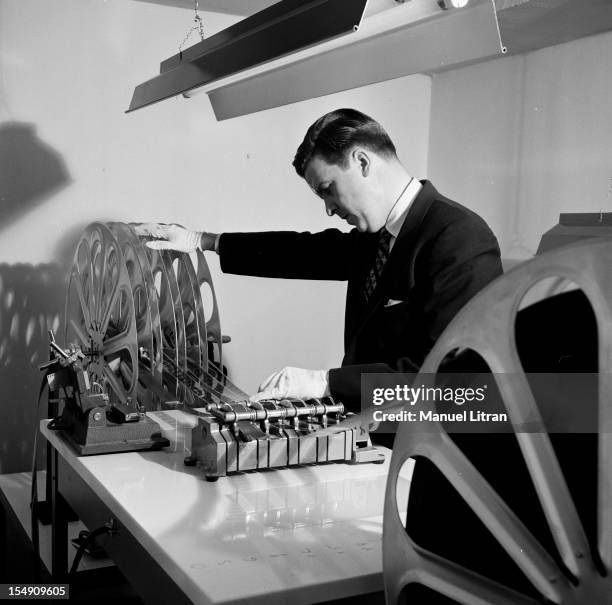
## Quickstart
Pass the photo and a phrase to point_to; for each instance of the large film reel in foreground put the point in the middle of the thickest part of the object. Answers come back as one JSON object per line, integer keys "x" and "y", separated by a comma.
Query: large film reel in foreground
{"x": 139, "y": 317}
{"x": 570, "y": 561}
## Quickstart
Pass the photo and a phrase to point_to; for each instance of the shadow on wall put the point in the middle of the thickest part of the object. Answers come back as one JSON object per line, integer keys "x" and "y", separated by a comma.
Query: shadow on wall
{"x": 30, "y": 171}
{"x": 31, "y": 297}
{"x": 31, "y": 302}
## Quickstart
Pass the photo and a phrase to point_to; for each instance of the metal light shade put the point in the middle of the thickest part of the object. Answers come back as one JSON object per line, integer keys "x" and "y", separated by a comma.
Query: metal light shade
{"x": 294, "y": 50}
{"x": 280, "y": 29}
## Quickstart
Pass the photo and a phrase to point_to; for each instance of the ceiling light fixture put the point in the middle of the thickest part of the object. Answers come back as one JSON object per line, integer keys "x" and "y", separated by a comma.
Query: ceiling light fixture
{"x": 265, "y": 61}
{"x": 446, "y": 4}
{"x": 282, "y": 28}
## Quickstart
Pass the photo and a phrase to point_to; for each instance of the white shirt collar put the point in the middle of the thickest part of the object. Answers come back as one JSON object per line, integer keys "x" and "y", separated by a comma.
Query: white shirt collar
{"x": 398, "y": 213}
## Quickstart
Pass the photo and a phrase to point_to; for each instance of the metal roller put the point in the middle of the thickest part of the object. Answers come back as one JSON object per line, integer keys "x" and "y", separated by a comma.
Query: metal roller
{"x": 575, "y": 565}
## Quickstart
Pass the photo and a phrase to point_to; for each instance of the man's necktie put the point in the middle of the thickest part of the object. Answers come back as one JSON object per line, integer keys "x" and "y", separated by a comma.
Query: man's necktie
{"x": 382, "y": 254}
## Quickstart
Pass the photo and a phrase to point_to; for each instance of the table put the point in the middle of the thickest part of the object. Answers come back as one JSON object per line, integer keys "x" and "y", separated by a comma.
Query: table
{"x": 304, "y": 534}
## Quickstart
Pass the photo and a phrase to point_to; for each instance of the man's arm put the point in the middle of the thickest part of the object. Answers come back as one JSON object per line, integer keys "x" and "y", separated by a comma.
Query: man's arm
{"x": 329, "y": 254}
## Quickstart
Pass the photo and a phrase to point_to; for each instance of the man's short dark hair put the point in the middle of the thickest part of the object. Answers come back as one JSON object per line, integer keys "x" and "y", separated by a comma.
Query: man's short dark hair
{"x": 336, "y": 133}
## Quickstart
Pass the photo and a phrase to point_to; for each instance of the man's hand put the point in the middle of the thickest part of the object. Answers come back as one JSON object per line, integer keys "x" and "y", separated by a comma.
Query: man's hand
{"x": 174, "y": 237}
{"x": 294, "y": 383}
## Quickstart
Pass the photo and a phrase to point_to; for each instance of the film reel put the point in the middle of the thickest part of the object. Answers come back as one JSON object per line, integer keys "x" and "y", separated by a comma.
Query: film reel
{"x": 140, "y": 319}
{"x": 100, "y": 313}
{"x": 573, "y": 566}
{"x": 146, "y": 310}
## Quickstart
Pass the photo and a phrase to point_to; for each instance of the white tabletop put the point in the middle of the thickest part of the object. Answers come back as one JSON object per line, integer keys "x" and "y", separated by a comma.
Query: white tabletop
{"x": 304, "y": 534}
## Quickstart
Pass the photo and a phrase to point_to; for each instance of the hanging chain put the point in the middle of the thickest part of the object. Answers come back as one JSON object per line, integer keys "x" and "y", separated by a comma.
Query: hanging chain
{"x": 198, "y": 26}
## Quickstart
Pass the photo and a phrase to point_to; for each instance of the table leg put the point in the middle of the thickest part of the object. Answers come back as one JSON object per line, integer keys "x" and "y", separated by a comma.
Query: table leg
{"x": 59, "y": 529}
{"x": 3, "y": 544}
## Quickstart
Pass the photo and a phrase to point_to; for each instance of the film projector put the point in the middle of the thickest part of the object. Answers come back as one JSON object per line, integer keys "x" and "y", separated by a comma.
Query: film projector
{"x": 142, "y": 333}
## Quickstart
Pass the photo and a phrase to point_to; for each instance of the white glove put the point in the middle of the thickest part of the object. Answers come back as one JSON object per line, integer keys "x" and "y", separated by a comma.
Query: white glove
{"x": 169, "y": 237}
{"x": 294, "y": 383}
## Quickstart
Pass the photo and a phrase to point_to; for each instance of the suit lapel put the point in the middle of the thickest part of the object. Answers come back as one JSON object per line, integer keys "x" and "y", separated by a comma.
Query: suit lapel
{"x": 406, "y": 238}
{"x": 400, "y": 253}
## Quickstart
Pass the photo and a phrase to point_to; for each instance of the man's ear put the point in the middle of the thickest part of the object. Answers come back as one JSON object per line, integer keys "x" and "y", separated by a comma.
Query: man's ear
{"x": 362, "y": 158}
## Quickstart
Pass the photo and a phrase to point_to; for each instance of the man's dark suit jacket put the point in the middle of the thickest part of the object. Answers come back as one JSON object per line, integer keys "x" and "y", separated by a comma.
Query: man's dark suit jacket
{"x": 443, "y": 255}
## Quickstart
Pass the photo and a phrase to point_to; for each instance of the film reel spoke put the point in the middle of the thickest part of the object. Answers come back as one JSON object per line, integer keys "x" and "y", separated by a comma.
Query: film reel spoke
{"x": 195, "y": 340}
{"x": 80, "y": 323}
{"x": 198, "y": 313}
{"x": 516, "y": 539}
{"x": 100, "y": 317}
{"x": 81, "y": 298}
{"x": 81, "y": 284}
{"x": 79, "y": 333}
{"x": 85, "y": 270}
{"x": 543, "y": 465}
{"x": 107, "y": 309}
{"x": 181, "y": 341}
{"x": 168, "y": 317}
{"x": 115, "y": 344}
{"x": 453, "y": 580}
{"x": 115, "y": 384}
{"x": 96, "y": 279}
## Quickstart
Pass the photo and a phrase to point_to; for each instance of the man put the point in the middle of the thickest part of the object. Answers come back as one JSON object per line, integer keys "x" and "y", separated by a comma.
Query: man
{"x": 413, "y": 259}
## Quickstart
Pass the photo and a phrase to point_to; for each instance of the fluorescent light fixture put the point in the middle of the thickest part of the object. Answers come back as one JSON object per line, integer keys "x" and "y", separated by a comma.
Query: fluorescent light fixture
{"x": 392, "y": 40}
{"x": 280, "y": 29}
{"x": 446, "y": 4}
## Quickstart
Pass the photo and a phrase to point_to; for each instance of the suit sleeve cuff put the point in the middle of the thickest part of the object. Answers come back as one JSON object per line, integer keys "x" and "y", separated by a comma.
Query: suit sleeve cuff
{"x": 345, "y": 384}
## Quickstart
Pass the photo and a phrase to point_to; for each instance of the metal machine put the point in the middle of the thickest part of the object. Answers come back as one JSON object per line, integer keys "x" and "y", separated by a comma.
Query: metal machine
{"x": 89, "y": 420}
{"x": 146, "y": 323}
{"x": 242, "y": 436}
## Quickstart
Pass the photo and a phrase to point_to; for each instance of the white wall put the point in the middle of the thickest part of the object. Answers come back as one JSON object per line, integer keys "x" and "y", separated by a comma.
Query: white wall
{"x": 521, "y": 139}
{"x": 67, "y": 71}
